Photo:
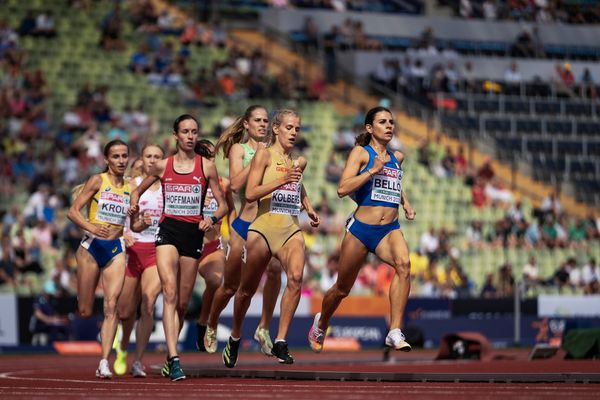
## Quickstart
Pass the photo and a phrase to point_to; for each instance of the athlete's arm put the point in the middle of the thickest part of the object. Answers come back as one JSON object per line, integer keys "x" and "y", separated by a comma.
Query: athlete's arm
{"x": 155, "y": 174}
{"x": 310, "y": 211}
{"x": 136, "y": 224}
{"x": 409, "y": 212}
{"x": 232, "y": 213}
{"x": 399, "y": 156}
{"x": 90, "y": 188}
{"x": 350, "y": 180}
{"x": 211, "y": 174}
{"x": 255, "y": 189}
{"x": 237, "y": 173}
{"x": 140, "y": 223}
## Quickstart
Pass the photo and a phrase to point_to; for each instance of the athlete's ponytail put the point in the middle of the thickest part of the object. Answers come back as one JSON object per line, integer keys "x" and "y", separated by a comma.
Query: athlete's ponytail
{"x": 235, "y": 133}
{"x": 204, "y": 148}
{"x": 364, "y": 138}
{"x": 76, "y": 191}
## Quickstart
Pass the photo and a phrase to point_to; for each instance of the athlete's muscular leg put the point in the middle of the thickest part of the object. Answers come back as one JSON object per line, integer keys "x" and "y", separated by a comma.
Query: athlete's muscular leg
{"x": 258, "y": 257}
{"x": 352, "y": 256}
{"x": 231, "y": 278}
{"x": 393, "y": 250}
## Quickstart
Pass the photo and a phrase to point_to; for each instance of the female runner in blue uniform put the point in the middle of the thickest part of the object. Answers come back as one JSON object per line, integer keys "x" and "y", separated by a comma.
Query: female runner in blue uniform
{"x": 373, "y": 178}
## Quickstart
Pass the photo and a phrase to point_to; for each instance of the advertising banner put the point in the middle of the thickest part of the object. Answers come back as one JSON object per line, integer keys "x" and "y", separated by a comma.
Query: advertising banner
{"x": 9, "y": 323}
{"x": 568, "y": 306}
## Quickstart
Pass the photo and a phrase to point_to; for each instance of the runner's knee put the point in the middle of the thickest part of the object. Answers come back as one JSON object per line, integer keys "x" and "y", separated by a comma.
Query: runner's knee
{"x": 403, "y": 268}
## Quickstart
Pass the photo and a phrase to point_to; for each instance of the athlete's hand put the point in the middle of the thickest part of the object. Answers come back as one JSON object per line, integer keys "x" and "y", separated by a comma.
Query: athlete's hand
{"x": 315, "y": 220}
{"x": 293, "y": 175}
{"x": 206, "y": 224}
{"x": 147, "y": 219}
{"x": 378, "y": 164}
{"x": 129, "y": 239}
{"x": 133, "y": 209}
{"x": 101, "y": 231}
{"x": 409, "y": 212}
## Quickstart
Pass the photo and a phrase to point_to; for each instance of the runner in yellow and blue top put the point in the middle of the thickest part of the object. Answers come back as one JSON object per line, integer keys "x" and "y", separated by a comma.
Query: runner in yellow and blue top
{"x": 101, "y": 253}
{"x": 239, "y": 143}
{"x": 275, "y": 181}
{"x": 373, "y": 177}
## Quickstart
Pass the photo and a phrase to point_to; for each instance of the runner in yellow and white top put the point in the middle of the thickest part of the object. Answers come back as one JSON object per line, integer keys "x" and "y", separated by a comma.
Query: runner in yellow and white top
{"x": 274, "y": 180}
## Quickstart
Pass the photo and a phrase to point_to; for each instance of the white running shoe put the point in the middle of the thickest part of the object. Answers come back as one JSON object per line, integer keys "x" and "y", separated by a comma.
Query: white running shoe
{"x": 137, "y": 370}
{"x": 263, "y": 338}
{"x": 395, "y": 339}
{"x": 210, "y": 340}
{"x": 103, "y": 370}
{"x": 316, "y": 336}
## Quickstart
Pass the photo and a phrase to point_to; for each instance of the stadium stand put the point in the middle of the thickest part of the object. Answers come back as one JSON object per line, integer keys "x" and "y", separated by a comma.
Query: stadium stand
{"x": 60, "y": 150}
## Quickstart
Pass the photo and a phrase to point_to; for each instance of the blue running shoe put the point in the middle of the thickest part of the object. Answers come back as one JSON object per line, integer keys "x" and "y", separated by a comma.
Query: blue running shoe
{"x": 176, "y": 373}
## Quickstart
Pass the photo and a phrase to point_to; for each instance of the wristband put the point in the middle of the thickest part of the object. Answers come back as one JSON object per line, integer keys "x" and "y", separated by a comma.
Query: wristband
{"x": 214, "y": 219}
{"x": 370, "y": 173}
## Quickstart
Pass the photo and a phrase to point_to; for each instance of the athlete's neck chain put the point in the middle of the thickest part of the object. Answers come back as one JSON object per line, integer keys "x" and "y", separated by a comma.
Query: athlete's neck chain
{"x": 380, "y": 152}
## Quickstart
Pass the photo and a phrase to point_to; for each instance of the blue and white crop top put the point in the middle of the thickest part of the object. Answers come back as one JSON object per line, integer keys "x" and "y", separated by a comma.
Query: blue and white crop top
{"x": 385, "y": 187}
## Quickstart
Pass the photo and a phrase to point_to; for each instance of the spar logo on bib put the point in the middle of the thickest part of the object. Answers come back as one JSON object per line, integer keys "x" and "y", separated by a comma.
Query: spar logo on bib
{"x": 387, "y": 185}
{"x": 112, "y": 208}
{"x": 182, "y": 199}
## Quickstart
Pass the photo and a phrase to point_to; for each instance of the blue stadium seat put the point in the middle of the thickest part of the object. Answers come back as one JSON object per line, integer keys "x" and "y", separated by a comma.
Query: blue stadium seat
{"x": 593, "y": 148}
{"x": 582, "y": 167}
{"x": 529, "y": 126}
{"x": 497, "y": 125}
{"x": 564, "y": 127}
{"x": 486, "y": 105}
{"x": 555, "y": 164}
{"x": 580, "y": 109}
{"x": 539, "y": 146}
{"x": 574, "y": 147}
{"x": 509, "y": 144}
{"x": 588, "y": 128}
{"x": 517, "y": 106}
{"x": 546, "y": 107}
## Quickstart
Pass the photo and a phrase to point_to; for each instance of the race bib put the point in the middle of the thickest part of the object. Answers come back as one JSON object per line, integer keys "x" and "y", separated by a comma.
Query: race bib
{"x": 183, "y": 199}
{"x": 112, "y": 208}
{"x": 286, "y": 199}
{"x": 210, "y": 205}
{"x": 153, "y": 228}
{"x": 387, "y": 185}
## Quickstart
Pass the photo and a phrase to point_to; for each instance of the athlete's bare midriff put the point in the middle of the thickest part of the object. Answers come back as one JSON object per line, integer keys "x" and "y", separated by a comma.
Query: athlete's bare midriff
{"x": 248, "y": 211}
{"x": 114, "y": 231}
{"x": 376, "y": 215}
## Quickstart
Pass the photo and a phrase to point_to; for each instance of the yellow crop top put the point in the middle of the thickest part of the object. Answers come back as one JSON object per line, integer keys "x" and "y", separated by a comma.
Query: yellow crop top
{"x": 110, "y": 204}
{"x": 286, "y": 199}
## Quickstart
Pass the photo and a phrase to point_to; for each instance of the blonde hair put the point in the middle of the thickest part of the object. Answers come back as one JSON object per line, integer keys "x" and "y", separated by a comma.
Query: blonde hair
{"x": 277, "y": 120}
{"x": 235, "y": 133}
{"x": 76, "y": 191}
{"x": 135, "y": 171}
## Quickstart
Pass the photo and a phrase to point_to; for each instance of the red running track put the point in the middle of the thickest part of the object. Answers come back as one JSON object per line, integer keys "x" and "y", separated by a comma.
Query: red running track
{"x": 53, "y": 376}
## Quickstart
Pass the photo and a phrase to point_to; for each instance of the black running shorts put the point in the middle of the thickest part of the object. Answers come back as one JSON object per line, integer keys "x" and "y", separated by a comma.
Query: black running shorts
{"x": 185, "y": 236}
